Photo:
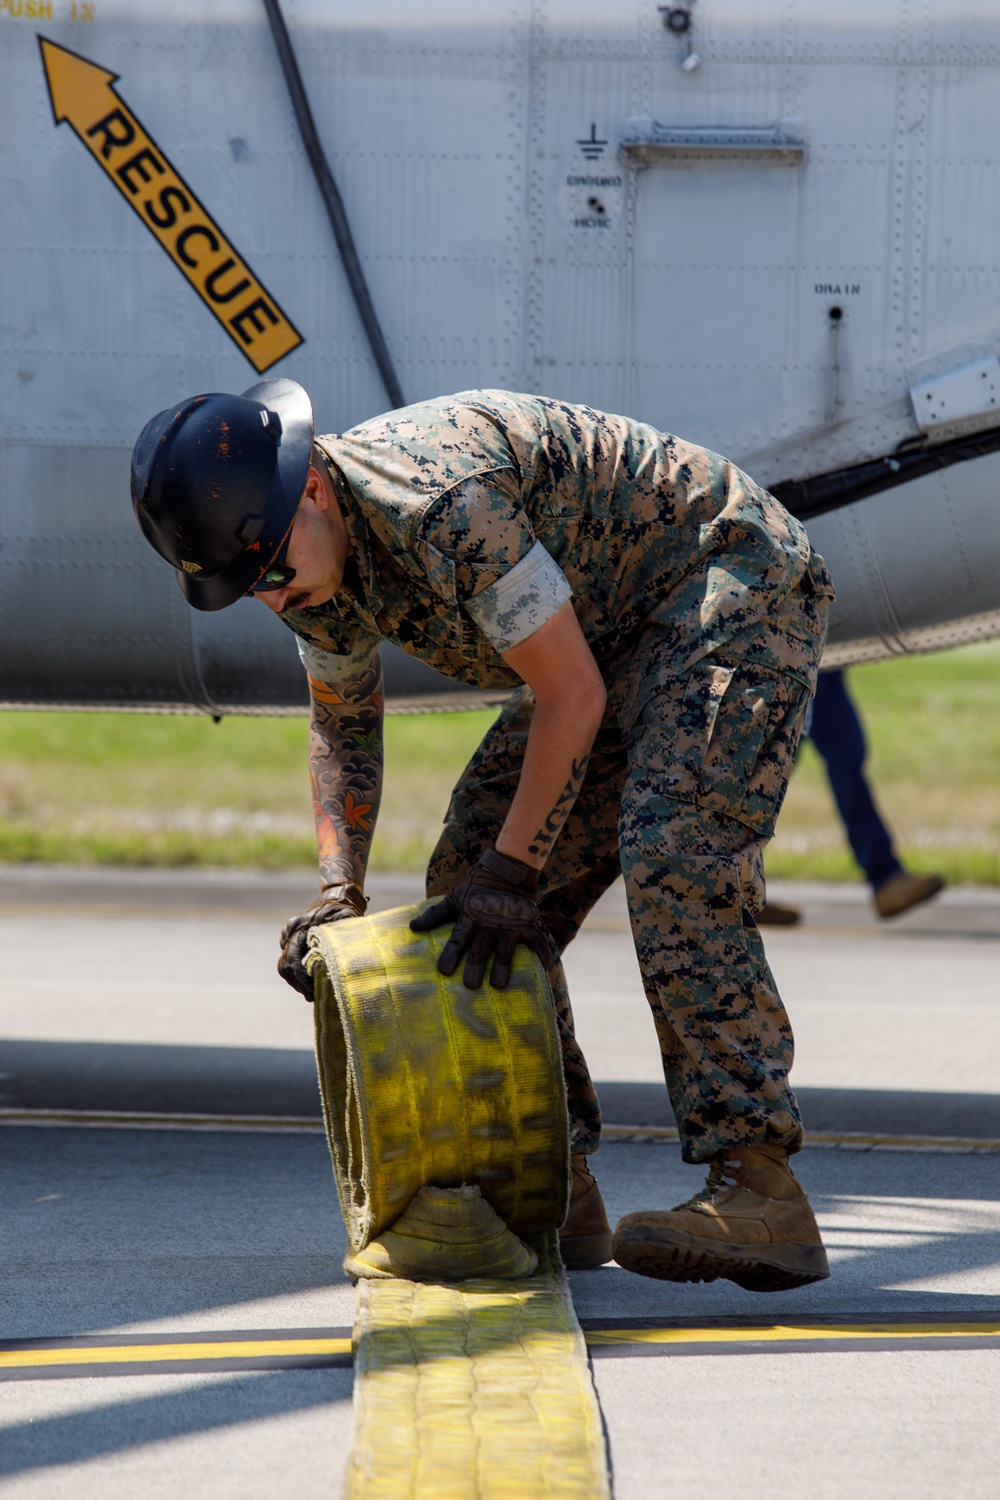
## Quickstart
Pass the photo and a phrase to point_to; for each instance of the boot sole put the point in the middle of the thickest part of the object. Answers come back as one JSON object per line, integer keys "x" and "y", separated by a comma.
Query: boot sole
{"x": 585, "y": 1252}
{"x": 757, "y": 1268}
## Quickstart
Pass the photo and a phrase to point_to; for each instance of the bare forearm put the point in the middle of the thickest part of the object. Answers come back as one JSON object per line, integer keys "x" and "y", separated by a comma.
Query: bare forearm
{"x": 555, "y": 763}
{"x": 345, "y": 758}
{"x": 570, "y": 699}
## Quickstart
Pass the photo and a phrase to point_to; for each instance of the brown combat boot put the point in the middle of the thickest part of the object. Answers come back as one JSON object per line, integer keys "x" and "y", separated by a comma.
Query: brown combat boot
{"x": 773, "y": 914}
{"x": 585, "y": 1238}
{"x": 900, "y": 892}
{"x": 751, "y": 1223}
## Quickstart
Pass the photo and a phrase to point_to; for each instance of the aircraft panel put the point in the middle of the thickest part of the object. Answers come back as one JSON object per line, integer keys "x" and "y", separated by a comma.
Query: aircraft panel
{"x": 578, "y": 296}
{"x": 442, "y": 185}
{"x": 742, "y": 30}
{"x": 962, "y": 276}
{"x": 901, "y": 560}
{"x": 927, "y": 565}
{"x": 704, "y": 243}
{"x": 82, "y": 611}
{"x": 963, "y": 34}
{"x": 468, "y": 145}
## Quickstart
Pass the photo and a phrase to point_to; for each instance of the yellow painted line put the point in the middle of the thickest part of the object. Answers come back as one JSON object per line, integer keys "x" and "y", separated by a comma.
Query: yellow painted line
{"x": 123, "y": 1119}
{"x": 154, "y": 1354}
{"x": 210, "y": 1351}
{"x": 83, "y": 94}
{"x": 790, "y": 1333}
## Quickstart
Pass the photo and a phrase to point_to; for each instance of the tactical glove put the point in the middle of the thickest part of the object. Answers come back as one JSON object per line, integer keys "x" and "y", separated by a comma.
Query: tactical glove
{"x": 493, "y": 909}
{"x": 335, "y": 902}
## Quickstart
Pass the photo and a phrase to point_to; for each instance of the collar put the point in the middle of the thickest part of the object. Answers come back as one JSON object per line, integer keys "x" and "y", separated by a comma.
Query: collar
{"x": 360, "y": 538}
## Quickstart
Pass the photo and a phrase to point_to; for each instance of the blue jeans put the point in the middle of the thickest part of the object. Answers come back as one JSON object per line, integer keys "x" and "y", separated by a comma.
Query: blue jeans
{"x": 838, "y": 736}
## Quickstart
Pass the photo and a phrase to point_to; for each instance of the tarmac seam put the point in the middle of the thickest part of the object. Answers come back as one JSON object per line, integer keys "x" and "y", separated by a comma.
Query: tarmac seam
{"x": 124, "y": 1119}
{"x": 853, "y": 1140}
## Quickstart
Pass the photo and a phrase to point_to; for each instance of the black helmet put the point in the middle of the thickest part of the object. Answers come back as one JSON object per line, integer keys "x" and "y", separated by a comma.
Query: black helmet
{"x": 216, "y": 482}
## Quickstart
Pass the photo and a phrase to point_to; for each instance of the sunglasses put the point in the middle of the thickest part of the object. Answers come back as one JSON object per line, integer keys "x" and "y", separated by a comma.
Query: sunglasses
{"x": 277, "y": 575}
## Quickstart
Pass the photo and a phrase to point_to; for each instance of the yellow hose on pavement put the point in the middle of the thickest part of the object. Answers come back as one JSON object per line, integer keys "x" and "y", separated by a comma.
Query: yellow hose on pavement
{"x": 446, "y": 1115}
{"x": 478, "y": 1390}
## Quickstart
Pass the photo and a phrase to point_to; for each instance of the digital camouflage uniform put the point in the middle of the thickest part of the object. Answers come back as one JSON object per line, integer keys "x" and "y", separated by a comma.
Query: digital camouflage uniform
{"x": 472, "y": 519}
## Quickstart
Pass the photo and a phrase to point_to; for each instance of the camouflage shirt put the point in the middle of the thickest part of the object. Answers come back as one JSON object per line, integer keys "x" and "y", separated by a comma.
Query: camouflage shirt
{"x": 473, "y": 518}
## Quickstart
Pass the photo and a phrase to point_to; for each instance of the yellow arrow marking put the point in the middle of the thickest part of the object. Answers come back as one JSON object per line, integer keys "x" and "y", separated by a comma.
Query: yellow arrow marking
{"x": 83, "y": 94}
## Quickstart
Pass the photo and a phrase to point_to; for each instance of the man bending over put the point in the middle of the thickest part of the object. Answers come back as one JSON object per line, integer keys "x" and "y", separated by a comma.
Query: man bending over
{"x": 658, "y": 619}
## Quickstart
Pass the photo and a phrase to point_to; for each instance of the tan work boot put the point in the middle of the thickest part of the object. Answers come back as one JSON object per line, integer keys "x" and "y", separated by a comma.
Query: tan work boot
{"x": 900, "y": 892}
{"x": 751, "y": 1223}
{"x": 585, "y": 1238}
{"x": 773, "y": 914}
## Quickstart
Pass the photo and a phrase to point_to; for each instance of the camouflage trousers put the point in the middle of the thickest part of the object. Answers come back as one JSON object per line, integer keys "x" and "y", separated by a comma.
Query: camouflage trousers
{"x": 681, "y": 802}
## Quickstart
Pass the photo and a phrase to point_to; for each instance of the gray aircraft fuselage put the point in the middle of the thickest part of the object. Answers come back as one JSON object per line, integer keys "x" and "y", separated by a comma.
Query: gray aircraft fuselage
{"x": 771, "y": 230}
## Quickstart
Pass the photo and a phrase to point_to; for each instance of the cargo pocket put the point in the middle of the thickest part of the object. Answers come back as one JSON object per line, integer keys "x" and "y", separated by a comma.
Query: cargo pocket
{"x": 739, "y": 733}
{"x": 776, "y": 757}
{"x": 670, "y": 742}
{"x": 725, "y": 739}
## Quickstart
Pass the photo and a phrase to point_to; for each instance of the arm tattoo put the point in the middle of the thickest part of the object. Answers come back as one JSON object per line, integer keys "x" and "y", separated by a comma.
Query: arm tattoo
{"x": 547, "y": 835}
{"x": 345, "y": 762}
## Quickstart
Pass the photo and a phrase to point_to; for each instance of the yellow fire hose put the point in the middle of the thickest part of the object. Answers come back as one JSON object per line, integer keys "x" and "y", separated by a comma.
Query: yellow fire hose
{"x": 446, "y": 1116}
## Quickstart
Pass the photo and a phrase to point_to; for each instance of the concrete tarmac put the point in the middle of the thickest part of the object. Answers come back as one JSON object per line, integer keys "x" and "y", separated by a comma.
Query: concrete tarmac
{"x": 152, "y": 992}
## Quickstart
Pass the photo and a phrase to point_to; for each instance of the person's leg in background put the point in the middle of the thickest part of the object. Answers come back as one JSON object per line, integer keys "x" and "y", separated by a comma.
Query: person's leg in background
{"x": 838, "y": 735}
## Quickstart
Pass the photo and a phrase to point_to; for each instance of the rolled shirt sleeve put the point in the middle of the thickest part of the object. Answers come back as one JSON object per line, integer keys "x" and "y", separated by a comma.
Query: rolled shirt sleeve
{"x": 340, "y": 661}
{"x": 521, "y": 600}
{"x": 480, "y": 553}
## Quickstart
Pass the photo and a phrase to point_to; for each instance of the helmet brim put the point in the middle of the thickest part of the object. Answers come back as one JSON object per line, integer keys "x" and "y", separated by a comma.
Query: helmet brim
{"x": 293, "y": 406}
{"x": 223, "y": 588}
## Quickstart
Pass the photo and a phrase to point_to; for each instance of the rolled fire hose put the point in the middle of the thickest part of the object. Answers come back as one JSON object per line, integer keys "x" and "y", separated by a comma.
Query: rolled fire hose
{"x": 429, "y": 1086}
{"x": 446, "y": 1116}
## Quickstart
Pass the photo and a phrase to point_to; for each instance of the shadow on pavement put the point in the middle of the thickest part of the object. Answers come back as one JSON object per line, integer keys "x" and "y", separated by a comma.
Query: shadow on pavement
{"x": 114, "y": 1427}
{"x": 106, "y": 1229}
{"x": 159, "y": 1078}
{"x": 282, "y": 1082}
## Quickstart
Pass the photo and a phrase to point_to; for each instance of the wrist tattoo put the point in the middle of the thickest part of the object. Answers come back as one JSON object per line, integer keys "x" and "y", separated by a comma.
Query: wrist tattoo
{"x": 546, "y": 836}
